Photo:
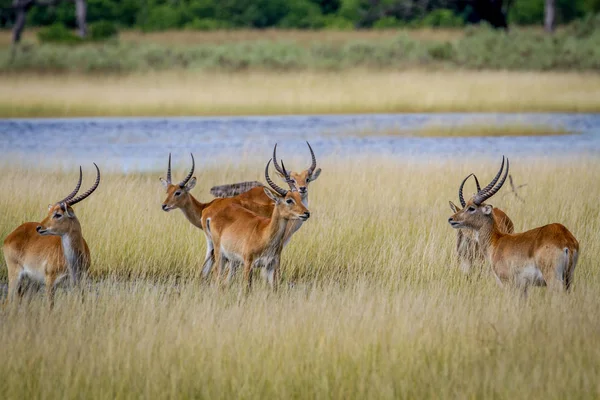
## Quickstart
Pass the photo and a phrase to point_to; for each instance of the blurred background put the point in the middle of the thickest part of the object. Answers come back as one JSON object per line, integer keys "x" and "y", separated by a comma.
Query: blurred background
{"x": 518, "y": 76}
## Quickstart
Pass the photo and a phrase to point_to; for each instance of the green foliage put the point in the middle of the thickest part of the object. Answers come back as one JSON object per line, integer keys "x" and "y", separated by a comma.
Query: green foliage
{"x": 157, "y": 15}
{"x": 207, "y": 24}
{"x": 57, "y": 33}
{"x": 102, "y": 30}
{"x": 387, "y": 23}
{"x": 337, "y": 22}
{"x": 442, "y": 18}
{"x": 302, "y": 14}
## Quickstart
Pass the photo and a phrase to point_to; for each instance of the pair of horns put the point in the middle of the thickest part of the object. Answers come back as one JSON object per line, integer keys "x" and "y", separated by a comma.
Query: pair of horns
{"x": 282, "y": 192}
{"x": 71, "y": 199}
{"x": 488, "y": 191}
{"x": 311, "y": 169}
{"x": 187, "y": 178}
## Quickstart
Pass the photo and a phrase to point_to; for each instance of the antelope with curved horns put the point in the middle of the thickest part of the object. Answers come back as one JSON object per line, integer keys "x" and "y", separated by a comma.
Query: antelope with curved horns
{"x": 241, "y": 236}
{"x": 467, "y": 248}
{"x": 179, "y": 197}
{"x": 542, "y": 256}
{"x": 257, "y": 201}
{"x": 52, "y": 249}
{"x": 299, "y": 179}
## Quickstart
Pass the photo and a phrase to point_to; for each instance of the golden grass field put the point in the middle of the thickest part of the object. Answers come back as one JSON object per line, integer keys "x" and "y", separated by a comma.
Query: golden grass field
{"x": 187, "y": 93}
{"x": 378, "y": 308}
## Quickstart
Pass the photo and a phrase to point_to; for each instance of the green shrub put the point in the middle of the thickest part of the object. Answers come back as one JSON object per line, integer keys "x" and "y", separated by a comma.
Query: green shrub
{"x": 337, "y": 22}
{"x": 441, "y": 51}
{"x": 302, "y": 14}
{"x": 57, "y": 33}
{"x": 442, "y": 18}
{"x": 163, "y": 18}
{"x": 584, "y": 27}
{"x": 102, "y": 30}
{"x": 207, "y": 24}
{"x": 387, "y": 23}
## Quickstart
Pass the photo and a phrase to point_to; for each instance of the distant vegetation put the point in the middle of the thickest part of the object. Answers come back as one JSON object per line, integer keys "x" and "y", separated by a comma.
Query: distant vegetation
{"x": 158, "y": 15}
{"x": 574, "y": 47}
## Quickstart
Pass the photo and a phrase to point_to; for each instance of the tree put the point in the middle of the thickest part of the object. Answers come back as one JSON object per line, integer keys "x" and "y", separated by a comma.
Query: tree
{"x": 21, "y": 8}
{"x": 549, "y": 15}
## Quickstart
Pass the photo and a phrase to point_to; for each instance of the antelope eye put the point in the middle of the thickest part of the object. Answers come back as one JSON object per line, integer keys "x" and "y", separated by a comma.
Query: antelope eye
{"x": 471, "y": 209}
{"x": 289, "y": 201}
{"x": 57, "y": 216}
{"x": 178, "y": 193}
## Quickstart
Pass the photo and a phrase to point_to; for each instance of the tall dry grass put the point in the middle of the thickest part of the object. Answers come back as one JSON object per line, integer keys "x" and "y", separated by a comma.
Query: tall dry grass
{"x": 261, "y": 93}
{"x": 378, "y": 308}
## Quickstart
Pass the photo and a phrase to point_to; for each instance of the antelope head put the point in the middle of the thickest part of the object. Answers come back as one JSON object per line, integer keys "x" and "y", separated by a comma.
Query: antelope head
{"x": 288, "y": 202}
{"x": 461, "y": 199}
{"x": 299, "y": 181}
{"x": 61, "y": 219}
{"x": 178, "y": 194}
{"x": 475, "y": 212}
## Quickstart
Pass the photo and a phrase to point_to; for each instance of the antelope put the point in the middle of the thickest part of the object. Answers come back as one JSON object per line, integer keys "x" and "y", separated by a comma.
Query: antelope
{"x": 179, "y": 197}
{"x": 50, "y": 250}
{"x": 242, "y": 236}
{"x": 252, "y": 197}
{"x": 542, "y": 256}
{"x": 467, "y": 248}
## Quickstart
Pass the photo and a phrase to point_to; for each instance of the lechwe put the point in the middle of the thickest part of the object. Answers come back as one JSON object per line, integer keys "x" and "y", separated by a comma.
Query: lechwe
{"x": 52, "y": 249}
{"x": 179, "y": 197}
{"x": 467, "y": 249}
{"x": 241, "y": 236}
{"x": 250, "y": 195}
{"x": 542, "y": 256}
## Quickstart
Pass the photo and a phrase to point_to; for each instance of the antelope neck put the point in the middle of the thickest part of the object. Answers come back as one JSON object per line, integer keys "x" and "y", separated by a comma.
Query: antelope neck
{"x": 193, "y": 211}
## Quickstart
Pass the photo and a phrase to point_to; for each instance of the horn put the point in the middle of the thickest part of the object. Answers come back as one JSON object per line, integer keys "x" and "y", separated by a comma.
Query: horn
{"x": 276, "y": 188}
{"x": 493, "y": 182}
{"x": 169, "y": 170}
{"x": 90, "y": 190}
{"x": 313, "y": 165}
{"x": 282, "y": 171}
{"x": 484, "y": 194}
{"x": 477, "y": 183}
{"x": 460, "y": 190}
{"x": 74, "y": 192}
{"x": 187, "y": 178}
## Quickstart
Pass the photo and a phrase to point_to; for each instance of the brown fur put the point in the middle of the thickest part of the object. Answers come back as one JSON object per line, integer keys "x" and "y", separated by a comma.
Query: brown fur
{"x": 254, "y": 200}
{"x": 467, "y": 249}
{"x": 240, "y": 235}
{"x": 26, "y": 249}
{"x": 551, "y": 249}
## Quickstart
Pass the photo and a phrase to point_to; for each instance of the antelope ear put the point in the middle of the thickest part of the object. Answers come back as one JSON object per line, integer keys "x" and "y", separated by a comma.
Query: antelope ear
{"x": 69, "y": 212}
{"x": 190, "y": 185}
{"x": 454, "y": 207}
{"x": 487, "y": 209}
{"x": 164, "y": 183}
{"x": 315, "y": 174}
{"x": 272, "y": 195}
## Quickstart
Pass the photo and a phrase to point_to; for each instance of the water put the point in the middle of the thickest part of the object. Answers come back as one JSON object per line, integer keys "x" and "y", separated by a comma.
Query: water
{"x": 142, "y": 143}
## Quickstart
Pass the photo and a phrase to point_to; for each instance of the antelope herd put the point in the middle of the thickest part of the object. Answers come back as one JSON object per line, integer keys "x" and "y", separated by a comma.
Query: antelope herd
{"x": 248, "y": 224}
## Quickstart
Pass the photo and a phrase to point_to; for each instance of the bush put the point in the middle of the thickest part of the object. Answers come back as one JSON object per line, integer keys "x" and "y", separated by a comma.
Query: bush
{"x": 338, "y": 23}
{"x": 441, "y": 51}
{"x": 442, "y": 18}
{"x": 102, "y": 30}
{"x": 387, "y": 23}
{"x": 207, "y": 24}
{"x": 302, "y": 14}
{"x": 57, "y": 33}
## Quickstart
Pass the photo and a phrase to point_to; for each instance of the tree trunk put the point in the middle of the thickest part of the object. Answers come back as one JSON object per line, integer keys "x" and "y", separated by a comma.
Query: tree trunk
{"x": 550, "y": 12}
{"x": 80, "y": 12}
